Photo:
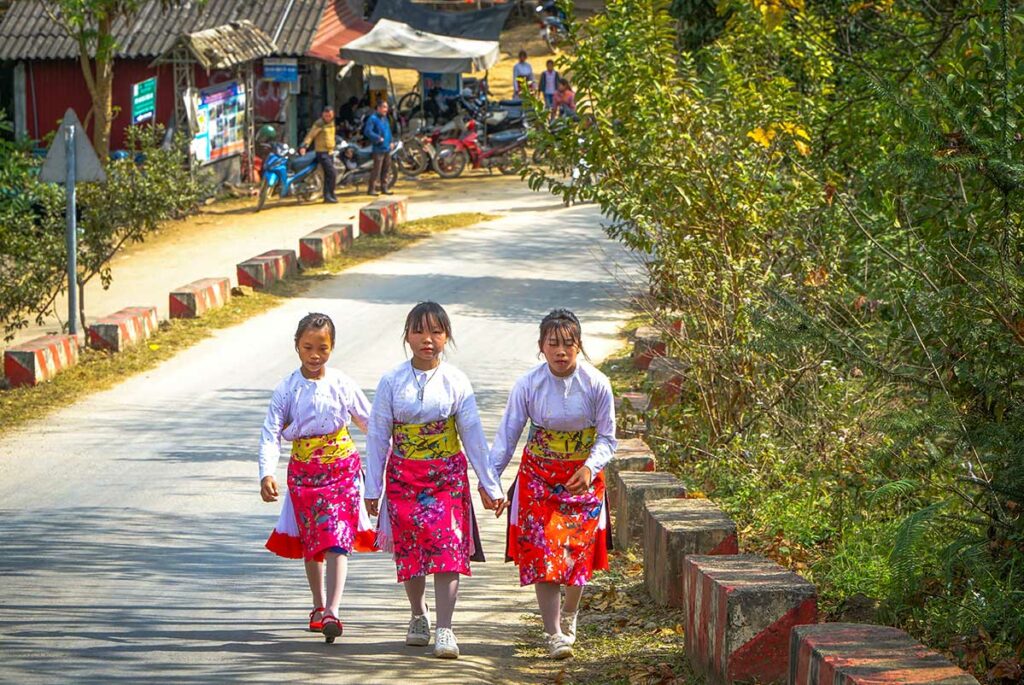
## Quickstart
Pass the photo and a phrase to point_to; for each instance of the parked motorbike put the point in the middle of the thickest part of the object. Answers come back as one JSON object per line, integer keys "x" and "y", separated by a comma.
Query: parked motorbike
{"x": 355, "y": 164}
{"x": 552, "y": 23}
{"x": 495, "y": 117}
{"x": 505, "y": 150}
{"x": 286, "y": 173}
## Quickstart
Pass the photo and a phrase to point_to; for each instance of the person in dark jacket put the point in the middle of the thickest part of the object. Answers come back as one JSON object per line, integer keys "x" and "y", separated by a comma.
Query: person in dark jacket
{"x": 321, "y": 134}
{"x": 378, "y": 133}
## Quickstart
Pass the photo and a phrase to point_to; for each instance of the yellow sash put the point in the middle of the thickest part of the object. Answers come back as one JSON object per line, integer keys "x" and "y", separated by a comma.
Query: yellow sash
{"x": 561, "y": 445}
{"x": 327, "y": 448}
{"x": 433, "y": 440}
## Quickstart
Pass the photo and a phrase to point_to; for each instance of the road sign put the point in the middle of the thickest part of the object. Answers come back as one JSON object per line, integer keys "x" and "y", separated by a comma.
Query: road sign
{"x": 87, "y": 165}
{"x": 71, "y": 159}
{"x": 143, "y": 100}
{"x": 281, "y": 69}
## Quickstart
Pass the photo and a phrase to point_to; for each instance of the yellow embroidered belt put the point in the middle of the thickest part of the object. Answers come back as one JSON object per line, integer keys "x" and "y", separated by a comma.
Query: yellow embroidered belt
{"x": 561, "y": 445}
{"x": 326, "y": 448}
{"x": 432, "y": 440}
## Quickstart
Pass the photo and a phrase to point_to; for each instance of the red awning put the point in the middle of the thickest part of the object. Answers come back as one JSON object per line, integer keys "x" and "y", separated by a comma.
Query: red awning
{"x": 339, "y": 25}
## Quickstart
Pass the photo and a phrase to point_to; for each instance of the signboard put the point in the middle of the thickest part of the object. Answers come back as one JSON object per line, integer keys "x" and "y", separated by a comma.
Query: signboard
{"x": 450, "y": 84}
{"x": 143, "y": 101}
{"x": 219, "y": 121}
{"x": 87, "y": 164}
{"x": 281, "y": 69}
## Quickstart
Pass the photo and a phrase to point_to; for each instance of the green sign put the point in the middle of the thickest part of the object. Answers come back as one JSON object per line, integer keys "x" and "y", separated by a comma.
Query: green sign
{"x": 143, "y": 101}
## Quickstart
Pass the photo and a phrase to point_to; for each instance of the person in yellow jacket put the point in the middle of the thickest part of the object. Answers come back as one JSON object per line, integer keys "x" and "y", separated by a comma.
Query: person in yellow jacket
{"x": 321, "y": 134}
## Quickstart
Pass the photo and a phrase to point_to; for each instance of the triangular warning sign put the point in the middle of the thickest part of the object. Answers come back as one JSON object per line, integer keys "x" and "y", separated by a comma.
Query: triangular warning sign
{"x": 87, "y": 165}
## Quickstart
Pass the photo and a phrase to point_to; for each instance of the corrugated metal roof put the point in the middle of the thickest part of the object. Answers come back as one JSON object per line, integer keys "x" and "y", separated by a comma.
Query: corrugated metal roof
{"x": 28, "y": 32}
{"x": 340, "y": 24}
{"x": 226, "y": 46}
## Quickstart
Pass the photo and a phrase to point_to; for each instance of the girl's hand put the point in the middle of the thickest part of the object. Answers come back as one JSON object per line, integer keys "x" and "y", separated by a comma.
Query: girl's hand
{"x": 371, "y": 506}
{"x": 268, "y": 489}
{"x": 489, "y": 504}
{"x": 500, "y": 506}
{"x": 580, "y": 481}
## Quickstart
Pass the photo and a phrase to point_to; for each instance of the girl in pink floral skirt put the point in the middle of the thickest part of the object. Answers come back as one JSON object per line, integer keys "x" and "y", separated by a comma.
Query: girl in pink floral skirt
{"x": 323, "y": 516}
{"x": 423, "y": 414}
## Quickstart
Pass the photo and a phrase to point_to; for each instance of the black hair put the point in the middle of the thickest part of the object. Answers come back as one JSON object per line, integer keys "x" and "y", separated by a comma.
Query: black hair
{"x": 424, "y": 311}
{"x": 565, "y": 325}
{"x": 522, "y": 53}
{"x": 564, "y": 82}
{"x": 327, "y": 108}
{"x": 315, "y": 321}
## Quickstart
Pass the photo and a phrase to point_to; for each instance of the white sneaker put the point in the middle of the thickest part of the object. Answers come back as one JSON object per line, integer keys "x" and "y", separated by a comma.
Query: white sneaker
{"x": 418, "y": 634}
{"x": 445, "y": 646}
{"x": 568, "y": 624}
{"x": 559, "y": 646}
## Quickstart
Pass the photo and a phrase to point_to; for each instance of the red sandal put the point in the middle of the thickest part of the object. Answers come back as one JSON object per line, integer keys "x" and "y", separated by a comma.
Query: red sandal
{"x": 332, "y": 628}
{"x": 316, "y": 626}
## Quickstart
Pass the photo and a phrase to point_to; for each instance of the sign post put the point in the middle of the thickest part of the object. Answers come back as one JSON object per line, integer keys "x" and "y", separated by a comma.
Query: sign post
{"x": 143, "y": 101}
{"x": 71, "y": 159}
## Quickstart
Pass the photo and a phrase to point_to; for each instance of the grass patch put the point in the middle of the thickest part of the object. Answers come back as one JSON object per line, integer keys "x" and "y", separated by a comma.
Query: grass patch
{"x": 624, "y": 638}
{"x": 97, "y": 370}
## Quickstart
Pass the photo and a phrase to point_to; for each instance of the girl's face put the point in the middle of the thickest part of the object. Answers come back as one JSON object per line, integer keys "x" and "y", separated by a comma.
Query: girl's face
{"x": 560, "y": 349}
{"x": 426, "y": 339}
{"x": 314, "y": 348}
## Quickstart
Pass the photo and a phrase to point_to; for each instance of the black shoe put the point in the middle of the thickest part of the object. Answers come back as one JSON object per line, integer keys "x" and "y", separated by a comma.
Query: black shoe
{"x": 331, "y": 200}
{"x": 388, "y": 192}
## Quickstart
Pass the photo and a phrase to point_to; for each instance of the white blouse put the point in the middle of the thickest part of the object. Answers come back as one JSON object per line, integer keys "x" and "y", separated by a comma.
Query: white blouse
{"x": 447, "y": 393}
{"x": 573, "y": 403}
{"x": 301, "y": 408}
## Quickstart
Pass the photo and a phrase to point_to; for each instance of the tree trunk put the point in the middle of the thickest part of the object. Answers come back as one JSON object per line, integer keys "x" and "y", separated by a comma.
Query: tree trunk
{"x": 99, "y": 78}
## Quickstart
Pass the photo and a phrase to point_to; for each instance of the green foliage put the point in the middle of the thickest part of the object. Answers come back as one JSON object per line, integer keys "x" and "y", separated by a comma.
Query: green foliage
{"x": 829, "y": 197}
{"x": 133, "y": 202}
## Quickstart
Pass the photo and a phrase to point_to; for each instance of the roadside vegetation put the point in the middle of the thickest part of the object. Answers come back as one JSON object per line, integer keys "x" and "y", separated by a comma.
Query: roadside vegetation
{"x": 829, "y": 195}
{"x": 99, "y": 370}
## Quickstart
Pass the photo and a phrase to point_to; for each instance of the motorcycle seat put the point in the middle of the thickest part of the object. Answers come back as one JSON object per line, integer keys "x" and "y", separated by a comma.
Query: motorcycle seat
{"x": 510, "y": 103}
{"x": 502, "y": 137}
{"x": 300, "y": 162}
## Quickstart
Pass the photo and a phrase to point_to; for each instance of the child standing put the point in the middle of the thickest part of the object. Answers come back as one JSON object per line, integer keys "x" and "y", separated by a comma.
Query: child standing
{"x": 558, "y": 521}
{"x": 323, "y": 514}
{"x": 423, "y": 407}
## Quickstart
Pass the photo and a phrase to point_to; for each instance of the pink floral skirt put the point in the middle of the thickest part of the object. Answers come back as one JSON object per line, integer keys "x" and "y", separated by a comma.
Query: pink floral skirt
{"x": 427, "y": 517}
{"x": 325, "y": 504}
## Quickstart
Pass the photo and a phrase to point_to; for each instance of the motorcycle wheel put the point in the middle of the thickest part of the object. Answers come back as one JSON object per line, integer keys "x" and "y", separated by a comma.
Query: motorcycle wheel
{"x": 264, "y": 192}
{"x": 514, "y": 161}
{"x": 312, "y": 186}
{"x": 549, "y": 38}
{"x": 450, "y": 161}
{"x": 413, "y": 159}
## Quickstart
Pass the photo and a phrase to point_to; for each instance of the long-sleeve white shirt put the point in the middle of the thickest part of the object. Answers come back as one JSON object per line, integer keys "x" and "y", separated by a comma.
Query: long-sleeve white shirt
{"x": 573, "y": 403}
{"x": 301, "y": 408}
{"x": 447, "y": 393}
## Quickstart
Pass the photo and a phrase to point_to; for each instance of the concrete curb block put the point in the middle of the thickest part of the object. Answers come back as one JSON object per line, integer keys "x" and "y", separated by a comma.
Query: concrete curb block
{"x": 195, "y": 299}
{"x": 859, "y": 654}
{"x": 675, "y": 529}
{"x": 632, "y": 454}
{"x": 632, "y": 489}
{"x": 325, "y": 244}
{"x": 123, "y": 328}
{"x": 384, "y": 215}
{"x": 646, "y": 346}
{"x": 265, "y": 269}
{"x": 666, "y": 375}
{"x": 635, "y": 402}
{"x": 40, "y": 359}
{"x": 740, "y": 611}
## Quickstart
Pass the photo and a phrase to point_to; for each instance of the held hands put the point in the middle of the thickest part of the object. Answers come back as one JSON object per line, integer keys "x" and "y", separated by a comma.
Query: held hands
{"x": 372, "y": 506}
{"x": 580, "y": 481}
{"x": 496, "y": 505}
{"x": 268, "y": 489}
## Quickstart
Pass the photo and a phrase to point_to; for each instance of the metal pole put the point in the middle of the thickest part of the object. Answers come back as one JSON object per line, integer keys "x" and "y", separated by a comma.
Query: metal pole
{"x": 71, "y": 236}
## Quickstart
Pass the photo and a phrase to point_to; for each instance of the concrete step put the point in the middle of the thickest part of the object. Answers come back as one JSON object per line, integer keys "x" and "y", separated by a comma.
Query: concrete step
{"x": 265, "y": 269}
{"x": 198, "y": 297}
{"x": 632, "y": 490}
{"x": 383, "y": 216}
{"x": 740, "y": 611}
{"x": 325, "y": 244}
{"x": 122, "y": 329}
{"x": 674, "y": 529}
{"x": 647, "y": 344}
{"x": 40, "y": 359}
{"x": 860, "y": 654}
{"x": 632, "y": 454}
{"x": 665, "y": 374}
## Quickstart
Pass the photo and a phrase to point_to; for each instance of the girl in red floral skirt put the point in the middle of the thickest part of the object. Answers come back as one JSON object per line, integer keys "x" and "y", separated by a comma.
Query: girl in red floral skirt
{"x": 558, "y": 521}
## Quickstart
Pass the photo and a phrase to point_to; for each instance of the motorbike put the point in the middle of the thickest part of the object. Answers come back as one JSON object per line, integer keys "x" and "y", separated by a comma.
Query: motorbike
{"x": 504, "y": 116}
{"x": 354, "y": 164}
{"x": 552, "y": 23}
{"x": 286, "y": 173}
{"x": 505, "y": 150}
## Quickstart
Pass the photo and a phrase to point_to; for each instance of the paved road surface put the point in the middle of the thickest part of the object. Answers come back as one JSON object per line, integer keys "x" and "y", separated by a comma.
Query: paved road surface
{"x": 131, "y": 530}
